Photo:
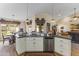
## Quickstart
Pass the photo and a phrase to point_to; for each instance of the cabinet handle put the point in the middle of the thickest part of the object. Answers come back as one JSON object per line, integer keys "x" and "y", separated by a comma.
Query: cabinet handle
{"x": 61, "y": 45}
{"x": 61, "y": 40}
{"x": 61, "y": 51}
{"x": 34, "y": 43}
{"x": 33, "y": 39}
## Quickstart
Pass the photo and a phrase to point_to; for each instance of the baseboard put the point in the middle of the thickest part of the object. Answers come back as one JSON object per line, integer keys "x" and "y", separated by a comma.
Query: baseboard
{"x": 33, "y": 52}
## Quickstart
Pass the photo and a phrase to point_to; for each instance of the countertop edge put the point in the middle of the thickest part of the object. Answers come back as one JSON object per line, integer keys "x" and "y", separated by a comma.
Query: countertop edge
{"x": 69, "y": 38}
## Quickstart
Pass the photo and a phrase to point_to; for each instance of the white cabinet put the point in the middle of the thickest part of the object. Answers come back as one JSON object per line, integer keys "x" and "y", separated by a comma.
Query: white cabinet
{"x": 39, "y": 44}
{"x": 34, "y": 44}
{"x": 29, "y": 44}
{"x": 20, "y": 45}
{"x": 63, "y": 46}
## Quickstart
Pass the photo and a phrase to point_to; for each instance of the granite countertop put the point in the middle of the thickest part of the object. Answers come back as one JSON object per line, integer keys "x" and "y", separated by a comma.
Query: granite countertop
{"x": 65, "y": 37}
{"x": 29, "y": 36}
{"x": 45, "y": 37}
{"x": 74, "y": 32}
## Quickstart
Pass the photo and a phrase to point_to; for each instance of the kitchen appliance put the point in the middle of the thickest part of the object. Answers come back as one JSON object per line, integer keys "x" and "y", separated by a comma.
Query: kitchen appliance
{"x": 49, "y": 44}
{"x": 74, "y": 37}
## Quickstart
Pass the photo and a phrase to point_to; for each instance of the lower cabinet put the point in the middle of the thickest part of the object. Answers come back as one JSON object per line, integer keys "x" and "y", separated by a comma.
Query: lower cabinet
{"x": 20, "y": 45}
{"x": 62, "y": 46}
{"x": 34, "y": 44}
{"x": 29, "y": 44}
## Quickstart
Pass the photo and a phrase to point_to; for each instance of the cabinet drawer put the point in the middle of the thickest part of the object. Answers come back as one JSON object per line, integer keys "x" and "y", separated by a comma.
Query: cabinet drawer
{"x": 64, "y": 52}
{"x": 59, "y": 50}
{"x": 39, "y": 44}
{"x": 35, "y": 38}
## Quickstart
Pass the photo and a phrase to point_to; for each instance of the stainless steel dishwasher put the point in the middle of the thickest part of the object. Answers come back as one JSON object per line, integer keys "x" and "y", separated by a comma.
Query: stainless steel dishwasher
{"x": 48, "y": 44}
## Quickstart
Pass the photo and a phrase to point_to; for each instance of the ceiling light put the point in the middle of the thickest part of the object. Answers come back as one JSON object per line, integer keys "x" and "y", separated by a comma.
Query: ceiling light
{"x": 27, "y": 20}
{"x": 75, "y": 19}
{"x": 13, "y": 14}
{"x": 52, "y": 20}
{"x": 27, "y": 13}
{"x": 59, "y": 15}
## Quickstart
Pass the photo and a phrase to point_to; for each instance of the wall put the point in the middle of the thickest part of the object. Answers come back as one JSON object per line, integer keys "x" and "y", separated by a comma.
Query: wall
{"x": 1, "y": 33}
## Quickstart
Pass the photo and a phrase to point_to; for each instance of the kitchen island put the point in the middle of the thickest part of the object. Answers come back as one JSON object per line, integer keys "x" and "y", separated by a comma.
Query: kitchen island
{"x": 58, "y": 44}
{"x": 34, "y": 44}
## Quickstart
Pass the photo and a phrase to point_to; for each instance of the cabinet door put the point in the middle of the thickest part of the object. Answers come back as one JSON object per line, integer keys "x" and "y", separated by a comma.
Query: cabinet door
{"x": 20, "y": 45}
{"x": 67, "y": 47}
{"x": 39, "y": 44}
{"x": 63, "y": 46}
{"x": 57, "y": 45}
{"x": 29, "y": 44}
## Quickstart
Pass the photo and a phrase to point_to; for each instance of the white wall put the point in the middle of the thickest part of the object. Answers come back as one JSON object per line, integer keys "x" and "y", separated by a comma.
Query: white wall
{"x": 1, "y": 33}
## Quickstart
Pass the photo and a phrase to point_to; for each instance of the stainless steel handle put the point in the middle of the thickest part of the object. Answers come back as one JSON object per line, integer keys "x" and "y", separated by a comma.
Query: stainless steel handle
{"x": 34, "y": 43}
{"x": 61, "y": 40}
{"x": 33, "y": 39}
{"x": 61, "y": 45}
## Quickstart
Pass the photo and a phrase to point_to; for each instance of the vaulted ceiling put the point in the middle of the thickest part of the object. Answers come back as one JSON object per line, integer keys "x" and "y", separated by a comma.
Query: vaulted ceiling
{"x": 19, "y": 10}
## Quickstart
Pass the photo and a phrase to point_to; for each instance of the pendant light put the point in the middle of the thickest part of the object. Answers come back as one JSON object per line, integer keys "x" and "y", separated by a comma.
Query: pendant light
{"x": 28, "y": 20}
{"x": 52, "y": 20}
{"x": 27, "y": 13}
{"x": 75, "y": 17}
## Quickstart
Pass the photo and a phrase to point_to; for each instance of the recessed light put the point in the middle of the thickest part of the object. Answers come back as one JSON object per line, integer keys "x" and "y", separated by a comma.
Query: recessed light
{"x": 59, "y": 15}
